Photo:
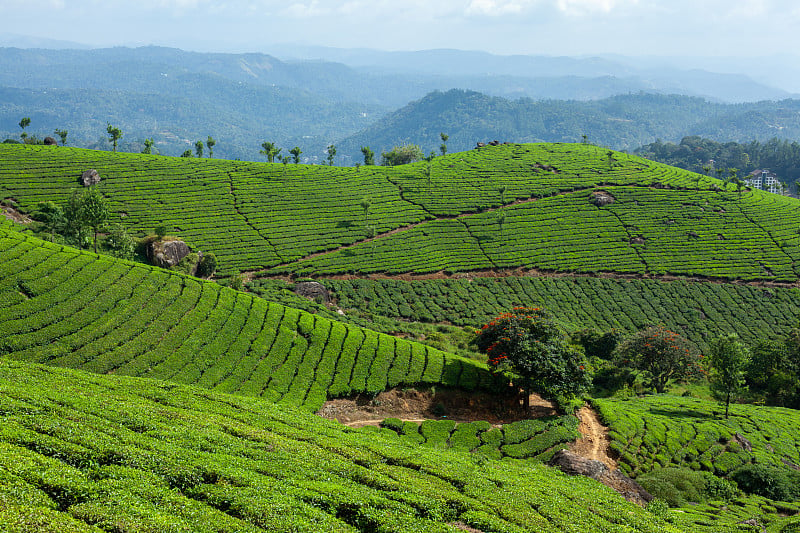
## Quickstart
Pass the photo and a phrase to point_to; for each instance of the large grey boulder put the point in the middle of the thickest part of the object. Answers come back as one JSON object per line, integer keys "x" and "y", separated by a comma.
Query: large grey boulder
{"x": 575, "y": 465}
{"x": 90, "y": 177}
{"x": 166, "y": 254}
{"x": 312, "y": 290}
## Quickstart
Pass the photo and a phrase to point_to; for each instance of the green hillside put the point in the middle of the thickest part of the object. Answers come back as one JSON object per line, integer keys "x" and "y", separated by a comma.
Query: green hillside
{"x": 663, "y": 430}
{"x": 505, "y": 207}
{"x": 84, "y": 453}
{"x": 69, "y": 308}
{"x": 698, "y": 310}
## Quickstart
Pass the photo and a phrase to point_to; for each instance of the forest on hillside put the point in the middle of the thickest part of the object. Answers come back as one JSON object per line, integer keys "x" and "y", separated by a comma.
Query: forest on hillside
{"x": 779, "y": 156}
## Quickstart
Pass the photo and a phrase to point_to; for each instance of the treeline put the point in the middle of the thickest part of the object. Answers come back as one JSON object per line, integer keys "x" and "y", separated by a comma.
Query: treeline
{"x": 695, "y": 153}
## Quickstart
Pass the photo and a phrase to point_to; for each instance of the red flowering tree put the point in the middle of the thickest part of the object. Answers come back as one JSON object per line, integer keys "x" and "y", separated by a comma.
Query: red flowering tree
{"x": 527, "y": 343}
{"x": 661, "y": 355}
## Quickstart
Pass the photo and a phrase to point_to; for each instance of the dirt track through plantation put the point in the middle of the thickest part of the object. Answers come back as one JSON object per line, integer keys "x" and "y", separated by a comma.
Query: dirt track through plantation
{"x": 594, "y": 443}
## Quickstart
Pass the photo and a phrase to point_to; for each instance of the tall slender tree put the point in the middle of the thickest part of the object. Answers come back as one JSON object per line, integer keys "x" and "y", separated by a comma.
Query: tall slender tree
{"x": 24, "y": 123}
{"x": 270, "y": 151}
{"x": 443, "y": 147}
{"x": 148, "y": 146}
{"x": 331, "y": 154}
{"x": 369, "y": 155}
{"x": 114, "y": 135}
{"x": 198, "y": 148}
{"x": 210, "y": 142}
{"x": 296, "y": 151}
{"x": 63, "y": 135}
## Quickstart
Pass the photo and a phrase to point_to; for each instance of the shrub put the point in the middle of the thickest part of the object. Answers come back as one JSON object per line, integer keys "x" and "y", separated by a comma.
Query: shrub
{"x": 768, "y": 481}
{"x": 718, "y": 488}
{"x": 207, "y": 265}
{"x": 676, "y": 486}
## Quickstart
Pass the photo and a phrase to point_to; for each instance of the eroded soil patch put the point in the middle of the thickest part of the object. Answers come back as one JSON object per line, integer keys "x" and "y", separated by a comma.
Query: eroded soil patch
{"x": 432, "y": 404}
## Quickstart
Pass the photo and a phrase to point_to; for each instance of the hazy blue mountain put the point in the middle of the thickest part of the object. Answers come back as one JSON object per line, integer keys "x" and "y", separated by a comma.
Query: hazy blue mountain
{"x": 621, "y": 122}
{"x": 390, "y": 79}
{"x": 239, "y": 116}
{"x": 717, "y": 80}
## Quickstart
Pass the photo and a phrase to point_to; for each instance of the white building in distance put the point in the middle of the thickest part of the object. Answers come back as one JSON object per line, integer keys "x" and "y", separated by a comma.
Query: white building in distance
{"x": 764, "y": 180}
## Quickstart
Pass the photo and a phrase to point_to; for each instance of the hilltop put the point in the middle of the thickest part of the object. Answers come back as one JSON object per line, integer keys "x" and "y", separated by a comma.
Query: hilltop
{"x": 528, "y": 206}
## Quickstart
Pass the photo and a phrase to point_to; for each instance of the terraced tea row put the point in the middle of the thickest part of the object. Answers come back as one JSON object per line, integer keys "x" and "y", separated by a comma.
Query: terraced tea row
{"x": 644, "y": 231}
{"x": 526, "y": 439}
{"x": 84, "y": 453}
{"x": 255, "y": 216}
{"x": 697, "y": 310}
{"x": 68, "y": 308}
{"x": 662, "y": 430}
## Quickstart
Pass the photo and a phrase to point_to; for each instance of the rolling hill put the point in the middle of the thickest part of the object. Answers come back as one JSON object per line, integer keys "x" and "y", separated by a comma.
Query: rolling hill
{"x": 622, "y": 122}
{"x": 498, "y": 208}
{"x": 69, "y": 308}
{"x": 185, "y": 406}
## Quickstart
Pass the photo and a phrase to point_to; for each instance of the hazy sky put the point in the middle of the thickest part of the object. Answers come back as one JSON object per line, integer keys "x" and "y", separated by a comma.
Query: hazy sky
{"x": 552, "y": 27}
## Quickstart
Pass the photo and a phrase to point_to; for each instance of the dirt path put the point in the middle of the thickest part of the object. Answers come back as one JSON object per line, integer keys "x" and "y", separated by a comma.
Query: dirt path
{"x": 594, "y": 443}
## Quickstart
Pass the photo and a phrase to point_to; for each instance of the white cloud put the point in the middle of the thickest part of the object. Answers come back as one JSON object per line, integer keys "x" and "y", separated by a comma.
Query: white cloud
{"x": 583, "y": 7}
{"x": 495, "y": 7}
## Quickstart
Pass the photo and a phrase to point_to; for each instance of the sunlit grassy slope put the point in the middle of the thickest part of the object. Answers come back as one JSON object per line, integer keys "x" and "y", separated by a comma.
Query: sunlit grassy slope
{"x": 65, "y": 307}
{"x": 259, "y": 215}
{"x": 89, "y": 453}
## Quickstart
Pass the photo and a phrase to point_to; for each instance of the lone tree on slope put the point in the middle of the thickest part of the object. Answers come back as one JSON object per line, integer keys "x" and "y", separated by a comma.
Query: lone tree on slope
{"x": 729, "y": 358}
{"x": 528, "y": 344}
{"x": 24, "y": 123}
{"x": 661, "y": 355}
{"x": 443, "y": 147}
{"x": 114, "y": 135}
{"x": 198, "y": 148}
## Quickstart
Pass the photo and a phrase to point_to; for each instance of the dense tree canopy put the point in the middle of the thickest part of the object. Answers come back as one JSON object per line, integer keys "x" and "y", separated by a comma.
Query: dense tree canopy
{"x": 528, "y": 343}
{"x": 661, "y": 355}
{"x": 694, "y": 153}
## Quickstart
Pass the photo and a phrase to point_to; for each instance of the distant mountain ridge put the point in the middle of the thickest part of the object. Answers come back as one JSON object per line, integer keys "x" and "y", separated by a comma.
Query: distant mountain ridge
{"x": 177, "y": 97}
{"x": 622, "y": 122}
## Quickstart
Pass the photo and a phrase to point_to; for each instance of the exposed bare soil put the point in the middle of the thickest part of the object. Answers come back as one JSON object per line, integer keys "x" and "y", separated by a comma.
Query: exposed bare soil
{"x": 594, "y": 443}
{"x": 432, "y": 404}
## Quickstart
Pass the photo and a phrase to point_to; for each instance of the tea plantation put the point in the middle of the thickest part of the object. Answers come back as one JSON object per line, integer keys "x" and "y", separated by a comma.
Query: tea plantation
{"x": 65, "y": 307}
{"x": 136, "y": 399}
{"x": 512, "y": 206}
{"x": 663, "y": 430}
{"x": 698, "y": 310}
{"x": 525, "y": 439}
{"x": 88, "y": 453}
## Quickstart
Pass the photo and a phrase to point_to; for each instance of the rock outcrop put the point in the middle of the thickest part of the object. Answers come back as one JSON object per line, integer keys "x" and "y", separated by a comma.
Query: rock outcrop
{"x": 166, "y": 254}
{"x": 575, "y": 465}
{"x": 312, "y": 290}
{"x": 601, "y": 198}
{"x": 49, "y": 141}
{"x": 90, "y": 177}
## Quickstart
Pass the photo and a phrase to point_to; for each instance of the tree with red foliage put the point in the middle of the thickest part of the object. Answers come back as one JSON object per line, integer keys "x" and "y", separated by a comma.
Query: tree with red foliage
{"x": 661, "y": 355}
{"x": 527, "y": 343}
